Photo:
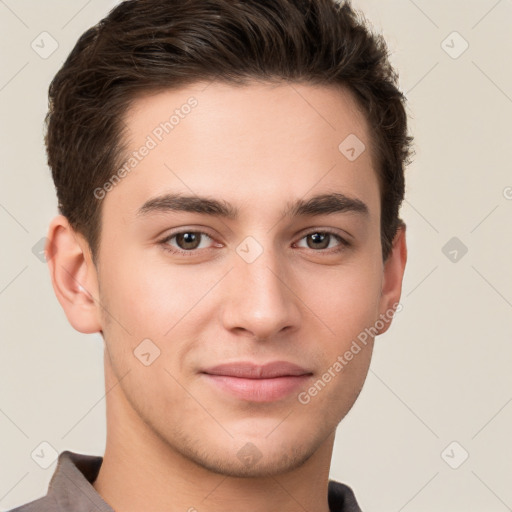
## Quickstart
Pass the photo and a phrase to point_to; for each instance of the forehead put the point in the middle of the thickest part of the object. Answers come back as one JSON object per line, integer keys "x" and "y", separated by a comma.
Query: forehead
{"x": 270, "y": 141}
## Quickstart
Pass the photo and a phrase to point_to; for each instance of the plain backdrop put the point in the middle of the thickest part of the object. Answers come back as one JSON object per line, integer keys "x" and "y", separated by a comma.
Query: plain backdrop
{"x": 431, "y": 428}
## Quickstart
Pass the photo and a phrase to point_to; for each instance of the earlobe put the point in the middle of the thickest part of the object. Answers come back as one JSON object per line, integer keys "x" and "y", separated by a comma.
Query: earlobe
{"x": 73, "y": 275}
{"x": 394, "y": 269}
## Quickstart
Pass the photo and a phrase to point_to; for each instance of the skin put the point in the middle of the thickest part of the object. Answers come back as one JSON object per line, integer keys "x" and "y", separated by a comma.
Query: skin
{"x": 173, "y": 438}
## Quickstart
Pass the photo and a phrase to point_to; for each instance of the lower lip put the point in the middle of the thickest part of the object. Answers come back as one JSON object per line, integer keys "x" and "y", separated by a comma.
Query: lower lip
{"x": 259, "y": 390}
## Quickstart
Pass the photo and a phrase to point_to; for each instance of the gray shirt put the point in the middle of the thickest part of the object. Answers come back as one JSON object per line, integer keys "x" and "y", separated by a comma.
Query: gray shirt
{"x": 71, "y": 490}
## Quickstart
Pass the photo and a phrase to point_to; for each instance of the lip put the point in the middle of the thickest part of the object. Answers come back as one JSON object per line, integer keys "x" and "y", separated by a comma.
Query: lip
{"x": 248, "y": 370}
{"x": 258, "y": 383}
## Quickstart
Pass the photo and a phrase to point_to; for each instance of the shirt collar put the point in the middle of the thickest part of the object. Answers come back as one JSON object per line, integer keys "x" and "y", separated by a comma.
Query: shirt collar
{"x": 71, "y": 483}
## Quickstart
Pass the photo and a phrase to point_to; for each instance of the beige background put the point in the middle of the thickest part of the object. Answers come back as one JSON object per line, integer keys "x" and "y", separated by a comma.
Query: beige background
{"x": 441, "y": 373}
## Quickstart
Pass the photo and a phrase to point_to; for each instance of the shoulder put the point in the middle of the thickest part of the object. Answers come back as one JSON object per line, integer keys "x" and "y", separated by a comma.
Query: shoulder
{"x": 44, "y": 504}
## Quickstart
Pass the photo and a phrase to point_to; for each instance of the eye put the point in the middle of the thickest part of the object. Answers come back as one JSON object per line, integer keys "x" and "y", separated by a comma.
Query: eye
{"x": 321, "y": 240}
{"x": 188, "y": 242}
{"x": 185, "y": 242}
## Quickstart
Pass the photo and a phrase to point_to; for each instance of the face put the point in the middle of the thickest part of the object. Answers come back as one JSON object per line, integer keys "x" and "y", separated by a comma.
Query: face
{"x": 250, "y": 268}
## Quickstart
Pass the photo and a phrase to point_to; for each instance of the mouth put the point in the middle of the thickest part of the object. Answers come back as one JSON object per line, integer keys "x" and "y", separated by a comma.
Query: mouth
{"x": 257, "y": 383}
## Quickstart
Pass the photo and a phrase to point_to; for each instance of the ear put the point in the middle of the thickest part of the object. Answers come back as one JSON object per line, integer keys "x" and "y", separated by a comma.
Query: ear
{"x": 393, "y": 274}
{"x": 73, "y": 275}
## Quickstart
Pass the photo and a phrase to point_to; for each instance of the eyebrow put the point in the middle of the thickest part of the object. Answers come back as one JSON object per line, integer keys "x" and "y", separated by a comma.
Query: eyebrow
{"x": 322, "y": 204}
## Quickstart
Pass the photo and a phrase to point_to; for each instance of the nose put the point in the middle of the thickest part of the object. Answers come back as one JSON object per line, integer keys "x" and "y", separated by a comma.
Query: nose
{"x": 261, "y": 300}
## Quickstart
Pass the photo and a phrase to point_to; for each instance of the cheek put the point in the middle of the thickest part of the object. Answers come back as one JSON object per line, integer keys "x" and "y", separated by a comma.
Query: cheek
{"x": 153, "y": 298}
{"x": 345, "y": 299}
{"x": 137, "y": 288}
{"x": 347, "y": 303}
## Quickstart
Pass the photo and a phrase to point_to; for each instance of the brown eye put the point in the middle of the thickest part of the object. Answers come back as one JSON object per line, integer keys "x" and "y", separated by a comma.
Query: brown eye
{"x": 186, "y": 242}
{"x": 322, "y": 240}
{"x": 318, "y": 240}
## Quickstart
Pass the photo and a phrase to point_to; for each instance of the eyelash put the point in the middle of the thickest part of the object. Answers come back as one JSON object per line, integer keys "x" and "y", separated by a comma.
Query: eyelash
{"x": 344, "y": 244}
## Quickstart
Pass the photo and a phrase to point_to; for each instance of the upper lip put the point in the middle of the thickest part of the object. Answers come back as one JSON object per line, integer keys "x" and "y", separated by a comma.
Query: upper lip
{"x": 248, "y": 370}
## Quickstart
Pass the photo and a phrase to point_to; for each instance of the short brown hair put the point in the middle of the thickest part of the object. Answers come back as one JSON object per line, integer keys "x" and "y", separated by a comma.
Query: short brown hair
{"x": 143, "y": 46}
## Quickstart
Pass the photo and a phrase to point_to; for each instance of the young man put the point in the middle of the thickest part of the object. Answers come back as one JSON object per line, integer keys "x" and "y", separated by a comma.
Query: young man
{"x": 229, "y": 177}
